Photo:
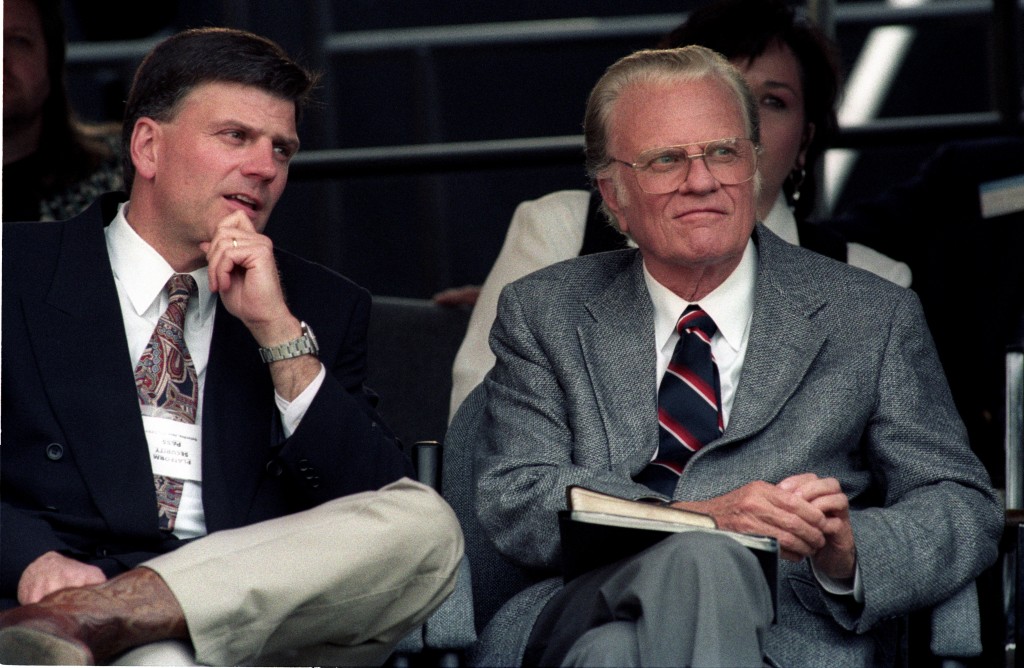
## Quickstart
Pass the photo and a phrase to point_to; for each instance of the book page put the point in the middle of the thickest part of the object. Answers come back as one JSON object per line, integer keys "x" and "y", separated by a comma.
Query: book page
{"x": 582, "y": 499}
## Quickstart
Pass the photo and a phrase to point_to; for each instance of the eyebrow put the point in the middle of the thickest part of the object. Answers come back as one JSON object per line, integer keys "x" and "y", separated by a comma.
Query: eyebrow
{"x": 774, "y": 83}
{"x": 289, "y": 141}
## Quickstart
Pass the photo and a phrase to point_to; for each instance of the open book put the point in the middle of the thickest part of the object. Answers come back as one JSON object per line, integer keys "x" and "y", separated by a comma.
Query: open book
{"x": 598, "y": 529}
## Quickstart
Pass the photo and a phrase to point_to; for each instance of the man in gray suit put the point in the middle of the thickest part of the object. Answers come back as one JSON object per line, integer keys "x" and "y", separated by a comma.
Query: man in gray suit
{"x": 837, "y": 433}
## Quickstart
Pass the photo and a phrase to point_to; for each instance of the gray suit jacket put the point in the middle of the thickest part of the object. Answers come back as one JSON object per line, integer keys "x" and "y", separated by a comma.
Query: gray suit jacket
{"x": 840, "y": 379}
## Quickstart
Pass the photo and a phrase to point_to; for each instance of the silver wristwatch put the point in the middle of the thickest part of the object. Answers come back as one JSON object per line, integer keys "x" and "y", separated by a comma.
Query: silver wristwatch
{"x": 304, "y": 345}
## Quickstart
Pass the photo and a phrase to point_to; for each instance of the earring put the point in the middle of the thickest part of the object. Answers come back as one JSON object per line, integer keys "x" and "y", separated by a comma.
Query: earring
{"x": 798, "y": 180}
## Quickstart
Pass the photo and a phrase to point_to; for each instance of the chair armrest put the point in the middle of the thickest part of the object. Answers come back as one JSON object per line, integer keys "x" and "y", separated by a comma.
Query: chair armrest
{"x": 426, "y": 457}
{"x": 451, "y": 626}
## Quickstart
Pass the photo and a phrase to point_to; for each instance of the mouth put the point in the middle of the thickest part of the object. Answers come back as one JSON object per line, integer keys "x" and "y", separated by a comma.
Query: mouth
{"x": 250, "y": 203}
{"x": 699, "y": 214}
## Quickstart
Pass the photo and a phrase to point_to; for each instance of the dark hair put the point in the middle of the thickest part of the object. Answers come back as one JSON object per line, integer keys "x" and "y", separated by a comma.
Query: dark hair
{"x": 203, "y": 55}
{"x": 746, "y": 29}
{"x": 70, "y": 150}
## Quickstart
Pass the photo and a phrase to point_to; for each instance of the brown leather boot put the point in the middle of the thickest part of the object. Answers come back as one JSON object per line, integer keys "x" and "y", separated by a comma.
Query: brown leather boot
{"x": 87, "y": 625}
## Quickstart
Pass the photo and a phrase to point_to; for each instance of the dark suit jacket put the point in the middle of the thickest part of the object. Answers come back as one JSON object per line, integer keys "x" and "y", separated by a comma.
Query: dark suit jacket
{"x": 967, "y": 269}
{"x": 840, "y": 378}
{"x": 76, "y": 476}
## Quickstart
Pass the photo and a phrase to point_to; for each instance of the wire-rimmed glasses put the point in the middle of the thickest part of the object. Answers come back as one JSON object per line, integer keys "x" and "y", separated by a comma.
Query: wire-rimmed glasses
{"x": 661, "y": 170}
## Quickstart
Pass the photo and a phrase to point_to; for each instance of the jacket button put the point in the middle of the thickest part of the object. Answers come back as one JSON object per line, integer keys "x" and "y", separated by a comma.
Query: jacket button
{"x": 55, "y": 452}
{"x": 274, "y": 468}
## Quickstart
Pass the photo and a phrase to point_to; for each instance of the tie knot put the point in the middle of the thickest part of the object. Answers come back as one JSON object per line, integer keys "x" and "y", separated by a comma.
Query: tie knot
{"x": 180, "y": 287}
{"x": 694, "y": 318}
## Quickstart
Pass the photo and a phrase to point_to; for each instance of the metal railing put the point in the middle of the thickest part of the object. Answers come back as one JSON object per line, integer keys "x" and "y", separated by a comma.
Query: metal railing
{"x": 1002, "y": 15}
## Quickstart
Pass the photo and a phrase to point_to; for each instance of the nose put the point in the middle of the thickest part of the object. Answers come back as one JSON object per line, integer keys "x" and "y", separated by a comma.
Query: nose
{"x": 699, "y": 178}
{"x": 261, "y": 161}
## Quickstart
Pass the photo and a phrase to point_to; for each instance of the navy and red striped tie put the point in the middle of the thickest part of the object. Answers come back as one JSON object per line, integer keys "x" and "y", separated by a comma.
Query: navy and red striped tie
{"x": 689, "y": 402}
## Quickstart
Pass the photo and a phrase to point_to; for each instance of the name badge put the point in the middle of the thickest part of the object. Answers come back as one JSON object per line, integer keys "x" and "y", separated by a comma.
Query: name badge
{"x": 174, "y": 448}
{"x": 1001, "y": 197}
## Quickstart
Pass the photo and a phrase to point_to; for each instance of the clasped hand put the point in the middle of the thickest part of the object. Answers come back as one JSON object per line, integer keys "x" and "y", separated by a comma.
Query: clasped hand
{"x": 53, "y": 571}
{"x": 808, "y": 515}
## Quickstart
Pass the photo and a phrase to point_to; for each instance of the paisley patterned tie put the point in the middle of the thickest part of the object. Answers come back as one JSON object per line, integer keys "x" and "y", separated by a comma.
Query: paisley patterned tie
{"x": 167, "y": 384}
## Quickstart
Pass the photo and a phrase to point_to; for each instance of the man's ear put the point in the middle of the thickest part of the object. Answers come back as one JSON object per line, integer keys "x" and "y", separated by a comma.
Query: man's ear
{"x": 610, "y": 194}
{"x": 145, "y": 147}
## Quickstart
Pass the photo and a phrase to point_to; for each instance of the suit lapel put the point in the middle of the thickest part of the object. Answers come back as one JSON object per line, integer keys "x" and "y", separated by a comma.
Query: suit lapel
{"x": 78, "y": 340}
{"x": 784, "y": 339}
{"x": 619, "y": 354}
{"x": 236, "y": 409}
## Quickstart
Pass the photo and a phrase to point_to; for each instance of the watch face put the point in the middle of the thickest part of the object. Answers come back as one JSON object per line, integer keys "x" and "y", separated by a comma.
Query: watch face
{"x": 308, "y": 331}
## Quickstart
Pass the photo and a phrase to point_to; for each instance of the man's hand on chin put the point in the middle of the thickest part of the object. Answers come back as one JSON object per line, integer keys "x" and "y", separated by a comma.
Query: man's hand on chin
{"x": 243, "y": 272}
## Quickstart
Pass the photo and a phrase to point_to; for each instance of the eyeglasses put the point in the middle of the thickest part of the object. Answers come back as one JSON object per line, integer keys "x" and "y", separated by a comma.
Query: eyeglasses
{"x": 661, "y": 170}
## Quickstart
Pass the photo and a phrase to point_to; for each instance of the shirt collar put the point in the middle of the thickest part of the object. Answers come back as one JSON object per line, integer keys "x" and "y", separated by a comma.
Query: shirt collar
{"x": 142, "y": 272}
{"x": 730, "y": 305}
{"x": 780, "y": 220}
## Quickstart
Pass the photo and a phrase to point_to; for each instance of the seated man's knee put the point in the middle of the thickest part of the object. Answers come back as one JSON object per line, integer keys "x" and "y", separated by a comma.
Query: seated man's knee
{"x": 698, "y": 561}
{"x": 611, "y": 644}
{"x": 696, "y": 551}
{"x": 426, "y": 524}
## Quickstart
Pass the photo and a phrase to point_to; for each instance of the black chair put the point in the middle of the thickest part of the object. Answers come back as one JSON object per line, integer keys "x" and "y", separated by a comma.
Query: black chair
{"x": 495, "y": 579}
{"x": 411, "y": 347}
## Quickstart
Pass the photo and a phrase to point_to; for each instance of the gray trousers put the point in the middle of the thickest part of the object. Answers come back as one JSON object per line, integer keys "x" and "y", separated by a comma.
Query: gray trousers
{"x": 340, "y": 584}
{"x": 693, "y": 599}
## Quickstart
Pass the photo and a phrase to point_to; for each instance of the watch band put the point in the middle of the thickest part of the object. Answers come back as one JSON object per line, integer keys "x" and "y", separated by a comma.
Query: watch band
{"x": 304, "y": 345}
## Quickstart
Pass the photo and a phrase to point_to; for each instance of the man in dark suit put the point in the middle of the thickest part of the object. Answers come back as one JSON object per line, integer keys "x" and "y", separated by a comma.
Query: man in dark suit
{"x": 801, "y": 399}
{"x": 236, "y": 493}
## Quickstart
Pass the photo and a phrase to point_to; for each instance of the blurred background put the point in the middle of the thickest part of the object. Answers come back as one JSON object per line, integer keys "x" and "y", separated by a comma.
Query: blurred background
{"x": 437, "y": 118}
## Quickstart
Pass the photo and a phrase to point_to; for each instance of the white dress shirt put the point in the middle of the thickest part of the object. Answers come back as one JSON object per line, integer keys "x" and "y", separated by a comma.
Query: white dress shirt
{"x": 141, "y": 275}
{"x": 730, "y": 305}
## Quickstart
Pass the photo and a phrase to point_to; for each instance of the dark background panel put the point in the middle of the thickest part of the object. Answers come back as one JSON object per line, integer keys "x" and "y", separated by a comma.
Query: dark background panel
{"x": 414, "y": 235}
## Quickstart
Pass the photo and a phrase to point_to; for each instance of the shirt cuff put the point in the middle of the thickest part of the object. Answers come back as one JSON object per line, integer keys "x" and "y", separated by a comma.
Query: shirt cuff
{"x": 841, "y": 587}
{"x": 293, "y": 411}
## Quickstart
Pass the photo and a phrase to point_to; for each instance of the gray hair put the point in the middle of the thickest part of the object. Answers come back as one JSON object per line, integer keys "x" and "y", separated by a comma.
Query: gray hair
{"x": 688, "y": 63}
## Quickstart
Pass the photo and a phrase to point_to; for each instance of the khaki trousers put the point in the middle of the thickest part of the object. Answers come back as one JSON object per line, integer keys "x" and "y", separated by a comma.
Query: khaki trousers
{"x": 339, "y": 584}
